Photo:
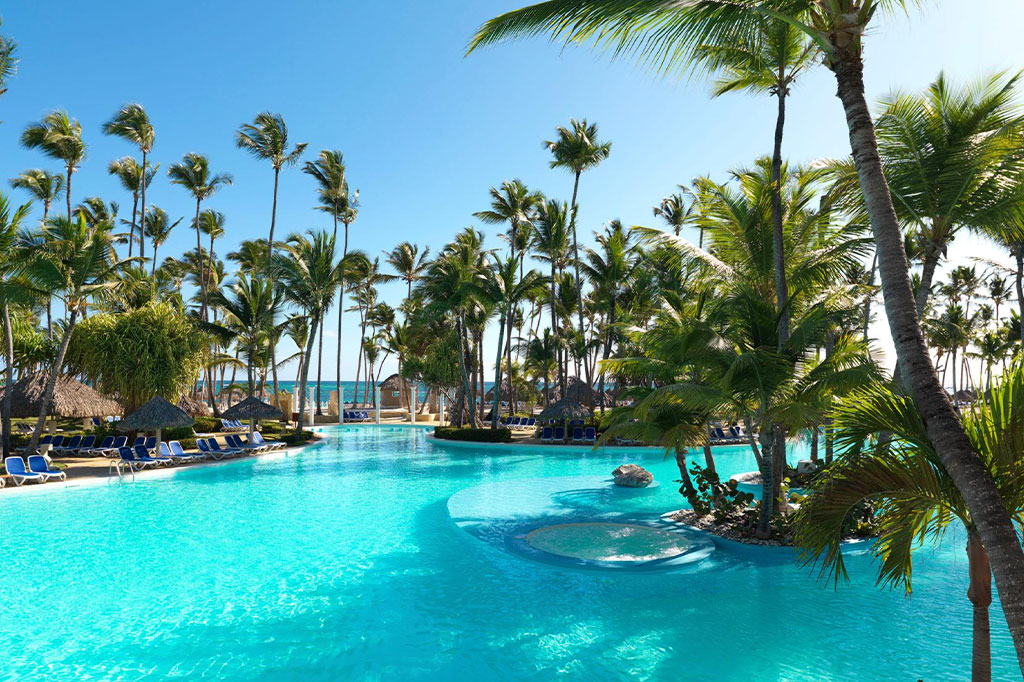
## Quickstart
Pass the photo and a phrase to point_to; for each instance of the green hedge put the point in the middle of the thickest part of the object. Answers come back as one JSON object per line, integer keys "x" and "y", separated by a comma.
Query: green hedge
{"x": 293, "y": 438}
{"x": 474, "y": 435}
{"x": 206, "y": 425}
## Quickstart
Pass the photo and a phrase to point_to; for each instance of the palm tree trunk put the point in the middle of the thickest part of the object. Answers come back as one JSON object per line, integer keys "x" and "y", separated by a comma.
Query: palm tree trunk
{"x": 304, "y": 381}
{"x": 199, "y": 259}
{"x": 9, "y": 361}
{"x": 142, "y": 232}
{"x": 867, "y": 303}
{"x": 270, "y": 253}
{"x": 341, "y": 308}
{"x": 980, "y": 594}
{"x": 497, "y": 372}
{"x": 943, "y": 426}
{"x": 1019, "y": 284}
{"x": 460, "y": 331}
{"x": 764, "y": 526}
{"x": 70, "y": 169}
{"x": 51, "y": 381}
{"x": 576, "y": 263}
{"x": 319, "y": 371}
{"x": 131, "y": 233}
{"x": 686, "y": 489}
{"x": 709, "y": 458}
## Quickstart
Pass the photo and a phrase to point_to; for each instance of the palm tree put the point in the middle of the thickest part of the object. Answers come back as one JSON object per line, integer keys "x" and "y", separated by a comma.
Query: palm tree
{"x": 677, "y": 210}
{"x": 249, "y": 305}
{"x": 10, "y": 291}
{"x": 309, "y": 275}
{"x": 912, "y": 493}
{"x": 71, "y": 260}
{"x": 129, "y": 173}
{"x": 267, "y": 138}
{"x": 157, "y": 226}
{"x": 60, "y": 137}
{"x": 8, "y": 60}
{"x": 408, "y": 263}
{"x": 211, "y": 223}
{"x": 577, "y": 149}
{"x": 514, "y": 204}
{"x": 663, "y": 34}
{"x": 132, "y": 124}
{"x": 551, "y": 243}
{"x": 193, "y": 173}
{"x": 42, "y": 185}
{"x": 540, "y": 357}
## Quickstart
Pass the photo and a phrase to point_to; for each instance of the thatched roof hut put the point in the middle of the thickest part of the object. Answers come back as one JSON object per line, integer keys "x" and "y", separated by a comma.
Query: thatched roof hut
{"x": 394, "y": 393}
{"x": 506, "y": 392}
{"x": 581, "y": 392}
{"x": 194, "y": 407}
{"x": 155, "y": 415}
{"x": 71, "y": 399}
{"x": 253, "y": 409}
{"x": 566, "y": 408}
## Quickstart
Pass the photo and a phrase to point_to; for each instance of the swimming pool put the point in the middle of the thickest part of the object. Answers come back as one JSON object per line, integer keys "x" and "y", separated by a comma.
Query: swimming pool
{"x": 341, "y": 562}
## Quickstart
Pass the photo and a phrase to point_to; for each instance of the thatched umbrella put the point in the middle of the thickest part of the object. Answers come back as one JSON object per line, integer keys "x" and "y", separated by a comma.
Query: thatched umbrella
{"x": 564, "y": 409}
{"x": 252, "y": 408}
{"x": 71, "y": 399}
{"x": 194, "y": 407}
{"x": 156, "y": 415}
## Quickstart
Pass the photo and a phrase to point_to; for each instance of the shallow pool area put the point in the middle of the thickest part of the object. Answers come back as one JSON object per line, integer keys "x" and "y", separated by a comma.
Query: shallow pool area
{"x": 378, "y": 555}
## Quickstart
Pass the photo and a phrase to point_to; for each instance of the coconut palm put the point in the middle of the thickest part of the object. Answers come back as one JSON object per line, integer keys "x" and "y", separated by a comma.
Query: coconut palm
{"x": 577, "y": 149}
{"x": 97, "y": 212}
{"x": 408, "y": 263}
{"x": 72, "y": 261}
{"x": 913, "y": 494}
{"x": 132, "y": 124}
{"x": 42, "y": 185}
{"x": 251, "y": 256}
{"x": 129, "y": 173}
{"x": 309, "y": 275}
{"x": 8, "y": 60}
{"x": 267, "y": 138}
{"x": 211, "y": 223}
{"x": 193, "y": 173}
{"x": 540, "y": 357}
{"x": 662, "y": 34}
{"x": 677, "y": 211}
{"x": 250, "y": 305}
{"x": 551, "y": 245}
{"x": 11, "y": 290}
{"x": 157, "y": 226}
{"x": 514, "y": 204}
{"x": 60, "y": 137}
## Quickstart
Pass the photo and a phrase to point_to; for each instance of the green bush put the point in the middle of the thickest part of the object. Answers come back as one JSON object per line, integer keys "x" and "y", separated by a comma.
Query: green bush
{"x": 177, "y": 433}
{"x": 206, "y": 425}
{"x": 293, "y": 438}
{"x": 474, "y": 435}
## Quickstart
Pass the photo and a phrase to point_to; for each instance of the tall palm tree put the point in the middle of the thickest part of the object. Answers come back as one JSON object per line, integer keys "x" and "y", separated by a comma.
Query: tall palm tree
{"x": 512, "y": 203}
{"x": 157, "y": 226}
{"x": 250, "y": 305}
{"x": 408, "y": 263}
{"x": 663, "y": 35}
{"x": 42, "y": 185}
{"x": 266, "y": 138}
{"x": 193, "y": 173}
{"x": 8, "y": 60}
{"x": 211, "y": 223}
{"x": 677, "y": 210}
{"x": 551, "y": 245}
{"x": 10, "y": 291}
{"x": 577, "y": 149}
{"x": 129, "y": 173}
{"x": 132, "y": 124}
{"x": 60, "y": 137}
{"x": 309, "y": 274}
{"x": 72, "y": 261}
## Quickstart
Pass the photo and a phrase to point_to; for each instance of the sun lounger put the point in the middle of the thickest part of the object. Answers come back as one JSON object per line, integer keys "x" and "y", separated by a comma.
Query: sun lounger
{"x": 70, "y": 446}
{"x": 559, "y": 434}
{"x": 139, "y": 440}
{"x": 546, "y": 434}
{"x": 178, "y": 453}
{"x": 529, "y": 425}
{"x": 215, "y": 447}
{"x": 16, "y": 469}
{"x": 272, "y": 444}
{"x": 577, "y": 435}
{"x": 142, "y": 454}
{"x": 37, "y": 464}
{"x": 98, "y": 449}
{"x": 590, "y": 435}
{"x": 87, "y": 443}
{"x": 128, "y": 459}
{"x": 151, "y": 443}
{"x": 235, "y": 441}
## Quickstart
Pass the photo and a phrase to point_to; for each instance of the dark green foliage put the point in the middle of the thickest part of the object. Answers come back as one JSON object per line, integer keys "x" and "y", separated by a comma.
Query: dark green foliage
{"x": 474, "y": 435}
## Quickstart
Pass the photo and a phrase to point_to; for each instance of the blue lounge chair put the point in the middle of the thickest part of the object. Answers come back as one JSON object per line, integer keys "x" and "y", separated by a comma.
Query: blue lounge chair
{"x": 271, "y": 444}
{"x": 545, "y": 434}
{"x": 151, "y": 443}
{"x": 577, "y": 435}
{"x": 37, "y": 464}
{"x": 226, "y": 452}
{"x": 139, "y": 440}
{"x": 559, "y": 434}
{"x": 235, "y": 442}
{"x": 71, "y": 445}
{"x": 204, "y": 447}
{"x": 531, "y": 424}
{"x": 129, "y": 460}
{"x": 16, "y": 469}
{"x": 96, "y": 421}
{"x": 142, "y": 454}
{"x": 100, "y": 449}
{"x": 119, "y": 442}
{"x": 86, "y": 444}
{"x": 178, "y": 453}
{"x": 516, "y": 421}
{"x": 590, "y": 435}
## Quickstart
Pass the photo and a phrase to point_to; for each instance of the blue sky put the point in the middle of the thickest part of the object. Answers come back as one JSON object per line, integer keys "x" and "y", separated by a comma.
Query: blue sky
{"x": 424, "y": 129}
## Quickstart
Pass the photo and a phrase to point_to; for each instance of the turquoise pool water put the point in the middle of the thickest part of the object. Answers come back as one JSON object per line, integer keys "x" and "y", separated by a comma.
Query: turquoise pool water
{"x": 342, "y": 563}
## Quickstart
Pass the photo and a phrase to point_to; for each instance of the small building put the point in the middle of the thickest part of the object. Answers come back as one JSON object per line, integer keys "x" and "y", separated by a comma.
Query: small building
{"x": 394, "y": 393}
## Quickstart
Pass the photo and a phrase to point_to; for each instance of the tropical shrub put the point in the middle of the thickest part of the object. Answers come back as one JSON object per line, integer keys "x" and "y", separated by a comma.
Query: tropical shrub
{"x": 712, "y": 496}
{"x": 293, "y": 438}
{"x": 474, "y": 435}
{"x": 206, "y": 425}
{"x": 153, "y": 350}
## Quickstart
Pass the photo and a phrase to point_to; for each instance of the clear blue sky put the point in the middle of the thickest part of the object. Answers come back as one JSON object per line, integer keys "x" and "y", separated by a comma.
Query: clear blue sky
{"x": 424, "y": 129}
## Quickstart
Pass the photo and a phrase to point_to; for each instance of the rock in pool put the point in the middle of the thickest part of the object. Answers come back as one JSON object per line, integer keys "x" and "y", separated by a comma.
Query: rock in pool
{"x": 632, "y": 476}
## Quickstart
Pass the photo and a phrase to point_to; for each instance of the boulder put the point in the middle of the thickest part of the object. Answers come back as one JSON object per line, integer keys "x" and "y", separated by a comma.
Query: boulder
{"x": 632, "y": 476}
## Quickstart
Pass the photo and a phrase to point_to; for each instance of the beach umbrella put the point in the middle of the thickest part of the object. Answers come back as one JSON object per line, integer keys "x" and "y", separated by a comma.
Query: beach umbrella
{"x": 194, "y": 407}
{"x": 71, "y": 399}
{"x": 252, "y": 408}
{"x": 156, "y": 415}
{"x": 564, "y": 409}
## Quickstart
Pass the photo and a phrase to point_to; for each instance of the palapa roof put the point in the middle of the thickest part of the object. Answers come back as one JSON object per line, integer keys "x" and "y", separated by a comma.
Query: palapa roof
{"x": 252, "y": 408}
{"x": 506, "y": 391}
{"x": 156, "y": 414}
{"x": 395, "y": 382}
{"x": 71, "y": 398}
{"x": 566, "y": 408}
{"x": 194, "y": 407}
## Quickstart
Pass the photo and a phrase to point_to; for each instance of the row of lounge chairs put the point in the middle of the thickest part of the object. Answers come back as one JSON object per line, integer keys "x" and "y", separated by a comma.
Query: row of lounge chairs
{"x": 519, "y": 423}
{"x": 581, "y": 436}
{"x": 719, "y": 436}
{"x": 356, "y": 416}
{"x": 232, "y": 425}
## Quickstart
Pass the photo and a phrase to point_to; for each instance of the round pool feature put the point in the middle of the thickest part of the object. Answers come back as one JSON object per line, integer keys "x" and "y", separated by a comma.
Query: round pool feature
{"x": 602, "y": 541}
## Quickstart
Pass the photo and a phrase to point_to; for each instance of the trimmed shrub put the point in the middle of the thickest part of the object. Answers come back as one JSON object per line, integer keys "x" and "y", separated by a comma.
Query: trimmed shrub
{"x": 474, "y": 435}
{"x": 293, "y": 438}
{"x": 206, "y": 425}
